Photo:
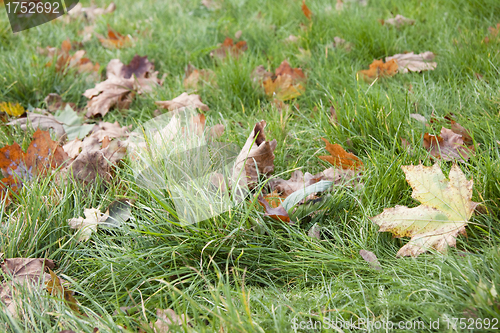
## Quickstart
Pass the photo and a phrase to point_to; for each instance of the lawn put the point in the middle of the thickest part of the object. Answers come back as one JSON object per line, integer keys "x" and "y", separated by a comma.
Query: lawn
{"x": 242, "y": 271}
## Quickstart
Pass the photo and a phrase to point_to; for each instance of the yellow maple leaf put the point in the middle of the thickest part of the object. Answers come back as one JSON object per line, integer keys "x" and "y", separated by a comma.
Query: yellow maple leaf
{"x": 11, "y": 109}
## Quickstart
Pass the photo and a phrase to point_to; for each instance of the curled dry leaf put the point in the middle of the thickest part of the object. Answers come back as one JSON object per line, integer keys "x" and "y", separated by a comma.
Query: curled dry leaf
{"x": 194, "y": 76}
{"x": 287, "y": 82}
{"x": 19, "y": 167}
{"x": 445, "y": 209}
{"x": 398, "y": 21}
{"x": 379, "y": 69}
{"x": 256, "y": 156}
{"x": 97, "y": 160}
{"x": 115, "y": 40}
{"x": 229, "y": 48}
{"x": 410, "y": 62}
{"x": 24, "y": 273}
{"x": 449, "y": 146}
{"x": 370, "y": 257}
{"x": 43, "y": 121}
{"x": 12, "y": 109}
{"x": 183, "y": 101}
{"x": 123, "y": 81}
{"x": 307, "y": 12}
{"x": 278, "y": 213}
{"x": 340, "y": 158}
{"x": 86, "y": 226}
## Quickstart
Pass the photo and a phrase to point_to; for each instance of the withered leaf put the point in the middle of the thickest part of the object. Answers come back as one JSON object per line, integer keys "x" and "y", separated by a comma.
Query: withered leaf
{"x": 278, "y": 213}
{"x": 340, "y": 158}
{"x": 287, "y": 82}
{"x": 379, "y": 69}
{"x": 168, "y": 318}
{"x": 115, "y": 39}
{"x": 307, "y": 12}
{"x": 449, "y": 146}
{"x": 183, "y": 101}
{"x": 370, "y": 257}
{"x": 194, "y": 77}
{"x": 89, "y": 13}
{"x": 229, "y": 48}
{"x": 410, "y": 62}
{"x": 43, "y": 121}
{"x": 55, "y": 288}
{"x": 86, "y": 226}
{"x": 398, "y": 21}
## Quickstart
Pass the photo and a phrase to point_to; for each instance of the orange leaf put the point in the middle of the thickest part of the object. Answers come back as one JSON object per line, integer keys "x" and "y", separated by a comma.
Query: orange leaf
{"x": 307, "y": 12}
{"x": 278, "y": 213}
{"x": 287, "y": 83}
{"x": 380, "y": 69}
{"x": 340, "y": 158}
{"x": 229, "y": 48}
{"x": 115, "y": 40}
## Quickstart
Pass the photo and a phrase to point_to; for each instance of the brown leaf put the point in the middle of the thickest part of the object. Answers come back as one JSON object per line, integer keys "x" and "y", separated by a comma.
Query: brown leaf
{"x": 72, "y": 148}
{"x": 212, "y": 4}
{"x": 410, "y": 62}
{"x": 138, "y": 66}
{"x": 256, "y": 151}
{"x": 340, "y": 158}
{"x": 183, "y": 101}
{"x": 287, "y": 83}
{"x": 193, "y": 77}
{"x": 370, "y": 257}
{"x": 379, "y": 69}
{"x": 114, "y": 40}
{"x": 278, "y": 213}
{"x": 43, "y": 121}
{"x": 494, "y": 34}
{"x": 55, "y": 288}
{"x": 96, "y": 161}
{"x": 105, "y": 129}
{"x": 54, "y": 102}
{"x": 24, "y": 272}
{"x": 398, "y": 21}
{"x": 89, "y": 13}
{"x": 307, "y": 12}
{"x": 65, "y": 60}
{"x": 168, "y": 318}
{"x": 459, "y": 129}
{"x": 259, "y": 74}
{"x": 19, "y": 167}
{"x": 229, "y": 48}
{"x": 449, "y": 146}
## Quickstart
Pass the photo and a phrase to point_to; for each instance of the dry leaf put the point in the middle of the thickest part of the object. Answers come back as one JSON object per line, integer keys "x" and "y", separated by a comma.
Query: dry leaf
{"x": 183, "y": 101}
{"x": 105, "y": 129}
{"x": 379, "y": 69}
{"x": 256, "y": 156}
{"x": 340, "y": 158}
{"x": 168, "y": 318}
{"x": 290, "y": 39}
{"x": 339, "y": 5}
{"x": 445, "y": 208}
{"x": 278, "y": 213}
{"x": 54, "y": 102}
{"x": 398, "y": 21}
{"x": 229, "y": 48}
{"x": 371, "y": 258}
{"x": 410, "y": 62}
{"x": 86, "y": 226}
{"x": 95, "y": 160}
{"x": 212, "y": 4}
{"x": 89, "y": 13}
{"x": 65, "y": 61}
{"x": 193, "y": 77}
{"x": 72, "y": 148}
{"x": 43, "y": 121}
{"x": 55, "y": 288}
{"x": 24, "y": 273}
{"x": 307, "y": 12}
{"x": 19, "y": 167}
{"x": 494, "y": 34}
{"x": 260, "y": 74}
{"x": 115, "y": 40}
{"x": 287, "y": 83}
{"x": 12, "y": 109}
{"x": 449, "y": 146}
{"x": 341, "y": 43}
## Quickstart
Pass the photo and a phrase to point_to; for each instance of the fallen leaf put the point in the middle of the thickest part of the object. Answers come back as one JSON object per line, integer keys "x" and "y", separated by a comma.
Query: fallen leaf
{"x": 398, "y": 21}
{"x": 260, "y": 74}
{"x": 278, "y": 213}
{"x": 24, "y": 273}
{"x": 110, "y": 130}
{"x": 88, "y": 225}
{"x": 315, "y": 231}
{"x": 115, "y": 40}
{"x": 340, "y": 158}
{"x": 54, "y": 102}
{"x": 445, "y": 208}
{"x": 256, "y": 158}
{"x": 307, "y": 12}
{"x": 371, "y": 258}
{"x": 72, "y": 123}
{"x": 287, "y": 83}
{"x": 19, "y": 167}
{"x": 88, "y": 13}
{"x": 183, "y": 101}
{"x": 72, "y": 148}
{"x": 418, "y": 117}
{"x": 118, "y": 213}
{"x": 119, "y": 90}
{"x": 168, "y": 318}
{"x": 194, "y": 76}
{"x": 449, "y": 146}
{"x": 290, "y": 39}
{"x": 212, "y": 4}
{"x": 43, "y": 121}
{"x": 304, "y": 55}
{"x": 410, "y": 62}
{"x": 494, "y": 33}
{"x": 341, "y": 43}
{"x": 95, "y": 160}
{"x": 339, "y": 5}
{"x": 459, "y": 129}
{"x": 379, "y": 69}
{"x": 229, "y": 48}
{"x": 56, "y": 289}
{"x": 12, "y": 109}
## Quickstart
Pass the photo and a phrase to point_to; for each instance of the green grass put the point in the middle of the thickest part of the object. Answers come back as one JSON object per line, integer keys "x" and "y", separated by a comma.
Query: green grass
{"x": 241, "y": 271}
